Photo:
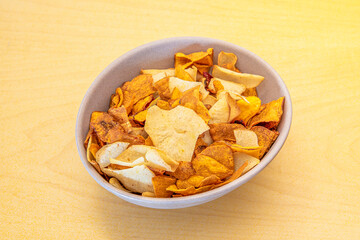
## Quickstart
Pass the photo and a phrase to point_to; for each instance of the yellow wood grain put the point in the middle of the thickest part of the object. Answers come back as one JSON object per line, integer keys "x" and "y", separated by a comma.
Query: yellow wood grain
{"x": 50, "y": 52}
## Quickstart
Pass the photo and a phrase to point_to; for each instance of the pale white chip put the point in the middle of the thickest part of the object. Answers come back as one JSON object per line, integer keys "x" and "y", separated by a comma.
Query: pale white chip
{"x": 110, "y": 151}
{"x": 170, "y": 72}
{"x": 249, "y": 80}
{"x": 241, "y": 158}
{"x": 113, "y": 181}
{"x": 184, "y": 85}
{"x": 246, "y": 138}
{"x": 192, "y": 71}
{"x": 175, "y": 131}
{"x": 159, "y": 160}
{"x": 136, "y": 179}
{"x": 220, "y": 111}
{"x": 231, "y": 87}
{"x": 209, "y": 100}
{"x": 138, "y": 161}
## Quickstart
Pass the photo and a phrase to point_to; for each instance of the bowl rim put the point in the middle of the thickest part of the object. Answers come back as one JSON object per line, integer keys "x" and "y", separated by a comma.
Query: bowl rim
{"x": 201, "y": 197}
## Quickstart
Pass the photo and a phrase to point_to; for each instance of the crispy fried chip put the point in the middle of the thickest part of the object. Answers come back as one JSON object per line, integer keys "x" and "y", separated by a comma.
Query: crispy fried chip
{"x": 220, "y": 153}
{"x": 266, "y": 138}
{"x": 91, "y": 150}
{"x": 168, "y": 72}
{"x": 219, "y": 112}
{"x": 250, "y": 92}
{"x": 249, "y": 80}
{"x": 184, "y": 192}
{"x": 160, "y": 184}
{"x": 142, "y": 104}
{"x": 148, "y": 142}
{"x": 241, "y": 158}
{"x": 108, "y": 151}
{"x": 227, "y": 60}
{"x": 117, "y": 98}
{"x": 138, "y": 88}
{"x": 139, "y": 131}
{"x": 179, "y": 128}
{"x": 248, "y": 109}
{"x": 231, "y": 87}
{"x": 252, "y": 151}
{"x": 209, "y": 101}
{"x": 194, "y": 180}
{"x": 235, "y": 176}
{"x": 199, "y": 146}
{"x": 224, "y": 131}
{"x": 202, "y": 60}
{"x": 191, "y": 99}
{"x": 109, "y": 131}
{"x": 117, "y": 184}
{"x": 210, "y": 180}
{"x": 162, "y": 87}
{"x": 270, "y": 114}
{"x": 183, "y": 171}
{"x": 182, "y": 74}
{"x": 141, "y": 116}
{"x": 183, "y": 86}
{"x": 234, "y": 108}
{"x": 246, "y": 138}
{"x": 176, "y": 94}
{"x": 207, "y": 166}
{"x": 120, "y": 115}
{"x": 163, "y": 105}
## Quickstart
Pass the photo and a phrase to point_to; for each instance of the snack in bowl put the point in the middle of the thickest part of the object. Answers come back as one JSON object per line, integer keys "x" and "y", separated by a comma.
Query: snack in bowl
{"x": 183, "y": 130}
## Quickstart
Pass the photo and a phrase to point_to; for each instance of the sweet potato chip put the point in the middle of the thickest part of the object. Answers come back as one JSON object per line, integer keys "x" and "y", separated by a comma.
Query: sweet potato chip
{"x": 179, "y": 128}
{"x": 266, "y": 138}
{"x": 207, "y": 166}
{"x": 120, "y": 115}
{"x": 248, "y": 109}
{"x": 246, "y": 138}
{"x": 183, "y": 86}
{"x": 227, "y": 60}
{"x": 252, "y": 151}
{"x": 160, "y": 184}
{"x": 91, "y": 150}
{"x": 117, "y": 98}
{"x": 199, "y": 146}
{"x": 194, "y": 180}
{"x": 141, "y": 116}
{"x": 164, "y": 105}
{"x": 176, "y": 94}
{"x": 138, "y": 88}
{"x": 183, "y": 171}
{"x": 250, "y": 92}
{"x": 270, "y": 114}
{"x": 220, "y": 153}
{"x": 241, "y": 158}
{"x": 249, "y": 80}
{"x": 148, "y": 142}
{"x": 210, "y": 180}
{"x": 191, "y": 99}
{"x": 185, "y": 192}
{"x": 202, "y": 60}
{"x": 235, "y": 176}
{"x": 224, "y": 131}
{"x": 142, "y": 104}
{"x": 162, "y": 87}
{"x": 182, "y": 74}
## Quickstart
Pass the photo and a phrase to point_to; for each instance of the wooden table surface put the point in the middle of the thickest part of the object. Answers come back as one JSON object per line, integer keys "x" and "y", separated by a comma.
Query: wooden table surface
{"x": 51, "y": 51}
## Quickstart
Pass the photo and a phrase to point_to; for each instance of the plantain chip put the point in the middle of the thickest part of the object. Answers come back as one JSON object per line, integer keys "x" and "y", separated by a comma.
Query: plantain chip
{"x": 266, "y": 138}
{"x": 227, "y": 60}
{"x": 269, "y": 115}
{"x": 224, "y": 131}
{"x": 160, "y": 184}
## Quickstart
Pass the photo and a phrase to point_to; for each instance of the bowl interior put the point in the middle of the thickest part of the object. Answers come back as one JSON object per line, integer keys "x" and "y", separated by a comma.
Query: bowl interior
{"x": 160, "y": 54}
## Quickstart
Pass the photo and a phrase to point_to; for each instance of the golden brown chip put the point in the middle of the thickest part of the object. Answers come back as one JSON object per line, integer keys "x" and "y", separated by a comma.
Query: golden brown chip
{"x": 249, "y": 108}
{"x": 252, "y": 151}
{"x": 116, "y": 99}
{"x": 148, "y": 142}
{"x": 250, "y": 92}
{"x": 160, "y": 184}
{"x": 235, "y": 176}
{"x": 117, "y": 167}
{"x": 202, "y": 60}
{"x": 141, "y": 117}
{"x": 270, "y": 114}
{"x": 164, "y": 105}
{"x": 227, "y": 60}
{"x": 210, "y": 180}
{"x": 233, "y": 106}
{"x": 217, "y": 86}
{"x": 184, "y": 192}
{"x": 266, "y": 138}
{"x": 246, "y": 138}
{"x": 138, "y": 88}
{"x": 109, "y": 131}
{"x": 91, "y": 150}
{"x": 224, "y": 131}
{"x": 220, "y": 153}
{"x": 207, "y": 166}
{"x": 199, "y": 146}
{"x": 191, "y": 99}
{"x": 176, "y": 94}
{"x": 162, "y": 87}
{"x": 120, "y": 115}
{"x": 183, "y": 184}
{"x": 142, "y": 104}
{"x": 183, "y": 171}
{"x": 182, "y": 74}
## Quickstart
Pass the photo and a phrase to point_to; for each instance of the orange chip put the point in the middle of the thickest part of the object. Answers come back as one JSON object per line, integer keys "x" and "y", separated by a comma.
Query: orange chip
{"x": 202, "y": 60}
{"x": 191, "y": 99}
{"x": 160, "y": 184}
{"x": 227, "y": 60}
{"x": 224, "y": 131}
{"x": 185, "y": 192}
{"x": 109, "y": 131}
{"x": 182, "y": 74}
{"x": 266, "y": 138}
{"x": 91, "y": 150}
{"x": 210, "y": 180}
{"x": 217, "y": 86}
{"x": 248, "y": 109}
{"x": 233, "y": 106}
{"x": 222, "y": 154}
{"x": 235, "y": 176}
{"x": 252, "y": 151}
{"x": 163, "y": 104}
{"x": 162, "y": 86}
{"x": 138, "y": 88}
{"x": 176, "y": 94}
{"x": 141, "y": 117}
{"x": 183, "y": 171}
{"x": 120, "y": 115}
{"x": 199, "y": 146}
{"x": 250, "y": 92}
{"x": 141, "y": 104}
{"x": 269, "y": 115}
{"x": 148, "y": 142}
{"x": 116, "y": 99}
{"x": 207, "y": 166}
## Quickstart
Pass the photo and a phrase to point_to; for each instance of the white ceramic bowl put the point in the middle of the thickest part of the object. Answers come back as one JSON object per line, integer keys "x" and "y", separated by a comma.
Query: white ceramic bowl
{"x": 160, "y": 54}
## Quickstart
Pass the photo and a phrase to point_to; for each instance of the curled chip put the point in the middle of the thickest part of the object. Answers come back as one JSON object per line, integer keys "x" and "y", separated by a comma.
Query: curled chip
{"x": 183, "y": 86}
{"x": 235, "y": 176}
{"x": 109, "y": 131}
{"x": 168, "y": 72}
{"x": 250, "y": 92}
{"x": 248, "y": 109}
{"x": 231, "y": 87}
{"x": 110, "y": 151}
{"x": 249, "y": 80}
{"x": 269, "y": 115}
{"x": 202, "y": 60}
{"x": 184, "y": 171}
{"x": 113, "y": 181}
{"x": 141, "y": 104}
{"x": 160, "y": 184}
{"x": 199, "y": 146}
{"x": 163, "y": 105}
{"x": 141, "y": 117}
{"x": 252, "y": 151}
{"x": 117, "y": 98}
{"x": 162, "y": 87}
{"x": 224, "y": 131}
{"x": 246, "y": 138}
{"x": 181, "y": 73}
{"x": 91, "y": 150}
{"x": 138, "y": 88}
{"x": 224, "y": 110}
{"x": 266, "y": 138}
{"x": 227, "y": 60}
{"x": 179, "y": 128}
{"x": 209, "y": 100}
{"x": 120, "y": 115}
{"x": 207, "y": 166}
{"x": 241, "y": 158}
{"x": 191, "y": 99}
{"x": 221, "y": 153}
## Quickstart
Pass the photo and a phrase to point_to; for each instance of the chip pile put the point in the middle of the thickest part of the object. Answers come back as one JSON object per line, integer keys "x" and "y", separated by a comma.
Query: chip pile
{"x": 183, "y": 130}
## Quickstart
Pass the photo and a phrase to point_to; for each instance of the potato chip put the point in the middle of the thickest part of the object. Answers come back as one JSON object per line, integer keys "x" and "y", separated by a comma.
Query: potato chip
{"x": 246, "y": 138}
{"x": 248, "y": 109}
{"x": 162, "y": 87}
{"x": 233, "y": 107}
{"x": 148, "y": 194}
{"x": 183, "y": 171}
{"x": 138, "y": 88}
{"x": 249, "y": 80}
{"x": 91, "y": 150}
{"x": 250, "y": 92}
{"x": 131, "y": 154}
{"x": 179, "y": 128}
{"x": 148, "y": 142}
{"x": 220, "y": 153}
{"x": 136, "y": 162}
{"x": 160, "y": 184}
{"x": 117, "y": 167}
{"x": 192, "y": 71}
{"x": 227, "y": 60}
{"x": 142, "y": 104}
{"x": 136, "y": 179}
{"x": 183, "y": 86}
{"x": 224, "y": 131}
{"x": 270, "y": 114}
{"x": 191, "y": 99}
{"x": 231, "y": 87}
{"x": 202, "y": 60}
{"x": 168, "y": 72}
{"x": 209, "y": 100}
{"x": 207, "y": 166}
{"x": 266, "y": 138}
{"x": 241, "y": 158}
{"x": 117, "y": 184}
{"x": 110, "y": 151}
{"x": 120, "y": 115}
{"x": 157, "y": 159}
{"x": 219, "y": 112}
{"x": 182, "y": 74}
